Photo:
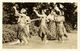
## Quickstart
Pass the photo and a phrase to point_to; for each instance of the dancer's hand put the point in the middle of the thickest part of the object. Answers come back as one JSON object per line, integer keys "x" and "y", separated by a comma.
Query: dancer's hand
{"x": 34, "y": 9}
{"x": 14, "y": 7}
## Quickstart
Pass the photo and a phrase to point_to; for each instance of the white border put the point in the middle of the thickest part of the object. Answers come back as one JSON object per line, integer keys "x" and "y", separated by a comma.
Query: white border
{"x": 78, "y": 25}
{"x": 0, "y": 26}
{"x": 40, "y": 0}
{"x": 1, "y": 49}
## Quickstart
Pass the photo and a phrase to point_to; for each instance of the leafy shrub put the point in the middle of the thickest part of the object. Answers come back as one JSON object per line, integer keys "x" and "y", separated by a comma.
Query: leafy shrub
{"x": 9, "y": 33}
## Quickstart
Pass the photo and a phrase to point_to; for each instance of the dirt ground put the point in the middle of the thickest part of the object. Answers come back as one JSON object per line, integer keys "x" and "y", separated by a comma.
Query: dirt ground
{"x": 36, "y": 43}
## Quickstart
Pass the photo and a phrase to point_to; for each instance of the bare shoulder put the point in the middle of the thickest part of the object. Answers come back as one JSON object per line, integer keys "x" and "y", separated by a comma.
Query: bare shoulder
{"x": 22, "y": 14}
{"x": 62, "y": 17}
{"x": 27, "y": 17}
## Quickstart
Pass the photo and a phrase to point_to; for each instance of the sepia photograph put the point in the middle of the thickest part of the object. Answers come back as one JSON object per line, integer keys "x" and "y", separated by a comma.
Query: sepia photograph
{"x": 39, "y": 25}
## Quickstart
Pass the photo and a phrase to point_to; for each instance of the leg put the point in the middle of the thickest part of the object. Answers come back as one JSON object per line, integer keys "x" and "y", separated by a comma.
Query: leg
{"x": 45, "y": 39}
{"x": 26, "y": 34}
{"x": 59, "y": 33}
{"x": 41, "y": 35}
{"x": 64, "y": 30}
{"x": 19, "y": 32}
{"x": 46, "y": 32}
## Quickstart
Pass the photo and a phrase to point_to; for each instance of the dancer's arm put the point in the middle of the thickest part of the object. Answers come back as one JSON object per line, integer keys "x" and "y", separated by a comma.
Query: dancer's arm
{"x": 63, "y": 18}
{"x": 16, "y": 12}
{"x": 19, "y": 19}
{"x": 38, "y": 14}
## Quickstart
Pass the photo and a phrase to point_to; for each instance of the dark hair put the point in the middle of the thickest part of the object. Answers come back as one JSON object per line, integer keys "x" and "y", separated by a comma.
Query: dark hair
{"x": 57, "y": 12}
